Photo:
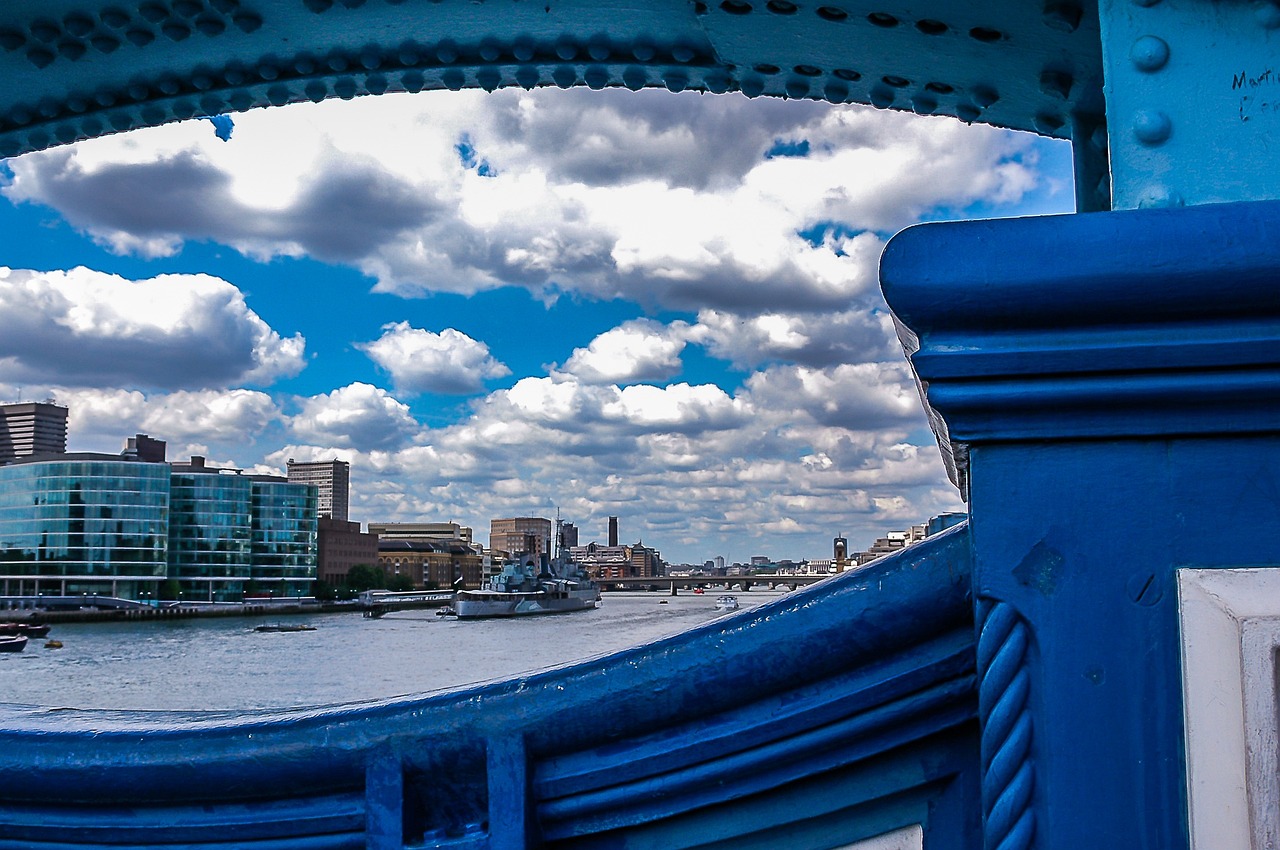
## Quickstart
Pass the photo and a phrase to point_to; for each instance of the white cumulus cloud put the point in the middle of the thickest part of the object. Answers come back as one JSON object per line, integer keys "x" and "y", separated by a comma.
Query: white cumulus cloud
{"x": 87, "y": 328}
{"x": 422, "y": 361}
{"x": 359, "y": 416}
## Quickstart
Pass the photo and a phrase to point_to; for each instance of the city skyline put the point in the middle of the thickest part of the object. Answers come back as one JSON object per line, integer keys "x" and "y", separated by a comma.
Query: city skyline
{"x": 497, "y": 305}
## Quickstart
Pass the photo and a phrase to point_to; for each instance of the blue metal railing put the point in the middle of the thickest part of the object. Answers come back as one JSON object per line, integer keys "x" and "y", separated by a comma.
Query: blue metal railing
{"x": 836, "y": 712}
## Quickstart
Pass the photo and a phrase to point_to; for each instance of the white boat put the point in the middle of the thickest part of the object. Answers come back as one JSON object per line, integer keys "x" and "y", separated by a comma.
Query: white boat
{"x": 521, "y": 589}
{"x": 727, "y": 603}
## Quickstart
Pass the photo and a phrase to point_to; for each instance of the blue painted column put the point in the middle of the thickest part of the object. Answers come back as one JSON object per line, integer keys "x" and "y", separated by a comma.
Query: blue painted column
{"x": 1107, "y": 387}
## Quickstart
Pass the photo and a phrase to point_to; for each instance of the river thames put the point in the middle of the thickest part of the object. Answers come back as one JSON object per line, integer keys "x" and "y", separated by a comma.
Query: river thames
{"x": 222, "y": 663}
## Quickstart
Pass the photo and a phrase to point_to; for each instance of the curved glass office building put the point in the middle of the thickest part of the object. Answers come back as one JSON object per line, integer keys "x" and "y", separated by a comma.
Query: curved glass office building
{"x": 73, "y": 524}
{"x": 209, "y": 535}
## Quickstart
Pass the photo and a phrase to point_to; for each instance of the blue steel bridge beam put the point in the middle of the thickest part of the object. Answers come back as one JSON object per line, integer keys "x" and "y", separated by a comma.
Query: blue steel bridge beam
{"x": 76, "y": 69}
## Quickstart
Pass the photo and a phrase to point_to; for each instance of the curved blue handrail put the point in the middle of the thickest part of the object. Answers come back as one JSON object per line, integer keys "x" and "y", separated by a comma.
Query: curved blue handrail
{"x": 865, "y": 681}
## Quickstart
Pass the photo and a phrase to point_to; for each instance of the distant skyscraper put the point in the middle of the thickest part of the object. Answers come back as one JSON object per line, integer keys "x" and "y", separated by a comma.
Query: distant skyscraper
{"x": 29, "y": 428}
{"x": 613, "y": 531}
{"x": 522, "y": 534}
{"x": 333, "y": 477}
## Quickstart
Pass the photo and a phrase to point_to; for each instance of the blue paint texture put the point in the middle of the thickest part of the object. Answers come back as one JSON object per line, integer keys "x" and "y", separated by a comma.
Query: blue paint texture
{"x": 1105, "y": 388}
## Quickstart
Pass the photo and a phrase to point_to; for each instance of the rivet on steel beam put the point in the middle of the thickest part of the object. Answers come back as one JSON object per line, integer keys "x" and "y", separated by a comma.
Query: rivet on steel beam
{"x": 104, "y": 98}
{"x": 635, "y": 77}
{"x": 345, "y": 87}
{"x": 316, "y": 91}
{"x": 566, "y": 49}
{"x": 453, "y": 79}
{"x": 644, "y": 51}
{"x": 1149, "y": 53}
{"x": 40, "y": 57}
{"x": 527, "y": 77}
{"x": 490, "y": 50}
{"x": 882, "y": 96}
{"x": 183, "y": 109}
{"x": 105, "y": 43}
{"x": 1063, "y": 15}
{"x": 1145, "y": 2}
{"x": 596, "y": 77}
{"x": 488, "y": 78}
{"x": 751, "y": 85}
{"x": 682, "y": 53}
{"x": 11, "y": 39}
{"x": 676, "y": 80}
{"x": 76, "y": 103}
{"x": 923, "y": 104}
{"x": 304, "y": 65}
{"x": 140, "y": 37}
{"x": 1056, "y": 83}
{"x": 1151, "y": 126}
{"x": 523, "y": 49}
{"x": 413, "y": 81}
{"x": 1048, "y": 123}
{"x": 984, "y": 96}
{"x": 446, "y": 52}
{"x": 599, "y": 47}
{"x": 564, "y": 76}
{"x": 378, "y": 84}
{"x": 797, "y": 87}
{"x": 967, "y": 112}
{"x": 835, "y": 91}
{"x": 716, "y": 82}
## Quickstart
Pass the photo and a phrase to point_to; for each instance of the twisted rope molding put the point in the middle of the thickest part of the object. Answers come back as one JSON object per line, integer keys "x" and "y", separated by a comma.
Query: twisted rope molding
{"x": 1003, "y": 690}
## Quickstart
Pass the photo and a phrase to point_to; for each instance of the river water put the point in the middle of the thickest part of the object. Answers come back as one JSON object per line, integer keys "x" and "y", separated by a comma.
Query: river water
{"x": 222, "y": 663}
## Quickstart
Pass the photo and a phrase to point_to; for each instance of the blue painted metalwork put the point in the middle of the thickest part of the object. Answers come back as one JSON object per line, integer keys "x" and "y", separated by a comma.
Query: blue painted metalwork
{"x": 834, "y": 713}
{"x": 82, "y": 68}
{"x": 1090, "y": 378}
{"x": 1112, "y": 409}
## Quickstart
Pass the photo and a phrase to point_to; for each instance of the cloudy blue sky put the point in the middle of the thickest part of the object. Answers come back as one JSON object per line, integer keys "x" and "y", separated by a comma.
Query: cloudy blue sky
{"x": 660, "y": 307}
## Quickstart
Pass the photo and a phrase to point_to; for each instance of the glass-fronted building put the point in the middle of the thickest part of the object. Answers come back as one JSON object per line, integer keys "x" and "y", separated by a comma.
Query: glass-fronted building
{"x": 83, "y": 524}
{"x": 74, "y": 524}
{"x": 285, "y": 523}
{"x": 210, "y": 527}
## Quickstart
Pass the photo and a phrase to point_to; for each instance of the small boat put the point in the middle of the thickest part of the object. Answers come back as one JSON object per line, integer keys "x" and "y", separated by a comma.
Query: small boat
{"x": 13, "y": 643}
{"x": 27, "y": 629}
{"x": 699, "y": 591}
{"x": 662, "y": 602}
{"x": 284, "y": 627}
{"x": 446, "y": 611}
{"x": 727, "y": 603}
{"x": 53, "y": 644}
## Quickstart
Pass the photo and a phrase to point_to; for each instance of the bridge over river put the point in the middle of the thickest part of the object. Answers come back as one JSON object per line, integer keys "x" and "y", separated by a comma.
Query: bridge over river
{"x": 679, "y": 583}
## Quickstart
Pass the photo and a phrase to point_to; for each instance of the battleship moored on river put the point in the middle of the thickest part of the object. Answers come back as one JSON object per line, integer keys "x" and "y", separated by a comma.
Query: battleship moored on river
{"x": 521, "y": 588}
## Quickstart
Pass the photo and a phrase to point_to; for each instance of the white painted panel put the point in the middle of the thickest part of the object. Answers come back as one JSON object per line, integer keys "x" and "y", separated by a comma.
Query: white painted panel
{"x": 1230, "y": 635}
{"x": 907, "y": 838}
